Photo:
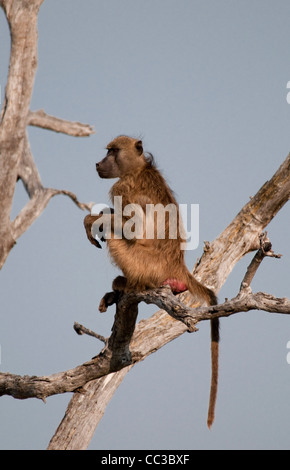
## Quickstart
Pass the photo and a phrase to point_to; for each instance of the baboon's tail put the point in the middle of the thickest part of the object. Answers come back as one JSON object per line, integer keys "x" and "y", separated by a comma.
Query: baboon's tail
{"x": 207, "y": 295}
{"x": 215, "y": 336}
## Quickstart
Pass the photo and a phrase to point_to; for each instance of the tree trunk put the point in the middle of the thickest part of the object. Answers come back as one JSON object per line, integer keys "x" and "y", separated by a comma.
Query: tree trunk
{"x": 16, "y": 161}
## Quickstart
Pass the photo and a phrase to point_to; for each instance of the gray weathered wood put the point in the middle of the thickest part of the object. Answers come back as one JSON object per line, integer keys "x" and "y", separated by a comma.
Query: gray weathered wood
{"x": 16, "y": 160}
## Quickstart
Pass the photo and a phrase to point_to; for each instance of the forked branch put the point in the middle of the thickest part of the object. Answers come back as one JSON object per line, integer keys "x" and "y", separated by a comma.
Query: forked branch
{"x": 145, "y": 339}
{"x": 264, "y": 250}
{"x": 16, "y": 158}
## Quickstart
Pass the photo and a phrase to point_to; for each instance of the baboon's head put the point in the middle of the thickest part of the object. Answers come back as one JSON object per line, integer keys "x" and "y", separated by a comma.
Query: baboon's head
{"x": 125, "y": 155}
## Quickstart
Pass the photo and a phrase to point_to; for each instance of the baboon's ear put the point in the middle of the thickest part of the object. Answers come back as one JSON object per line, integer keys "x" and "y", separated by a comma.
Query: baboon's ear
{"x": 139, "y": 147}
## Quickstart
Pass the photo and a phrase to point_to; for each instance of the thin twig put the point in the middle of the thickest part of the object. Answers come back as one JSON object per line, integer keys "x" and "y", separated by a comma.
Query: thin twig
{"x": 82, "y": 330}
{"x": 264, "y": 250}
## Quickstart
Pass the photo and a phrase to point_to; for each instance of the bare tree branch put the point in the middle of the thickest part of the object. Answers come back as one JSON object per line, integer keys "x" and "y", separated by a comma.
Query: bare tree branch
{"x": 39, "y": 196}
{"x": 82, "y": 330}
{"x": 36, "y": 205}
{"x": 45, "y": 121}
{"x": 265, "y": 250}
{"x": 16, "y": 157}
{"x": 27, "y": 170}
{"x": 22, "y": 20}
{"x": 148, "y": 336}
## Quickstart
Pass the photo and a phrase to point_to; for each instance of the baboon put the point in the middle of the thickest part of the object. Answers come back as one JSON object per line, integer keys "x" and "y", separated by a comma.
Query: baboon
{"x": 155, "y": 261}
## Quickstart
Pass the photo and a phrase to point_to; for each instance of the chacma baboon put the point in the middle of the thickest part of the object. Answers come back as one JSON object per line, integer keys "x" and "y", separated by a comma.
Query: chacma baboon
{"x": 148, "y": 261}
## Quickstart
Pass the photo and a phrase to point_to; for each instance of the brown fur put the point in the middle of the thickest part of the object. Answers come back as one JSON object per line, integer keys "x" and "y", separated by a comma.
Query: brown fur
{"x": 148, "y": 263}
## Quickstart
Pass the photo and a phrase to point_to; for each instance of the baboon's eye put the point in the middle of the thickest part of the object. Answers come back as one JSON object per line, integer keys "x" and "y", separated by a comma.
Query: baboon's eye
{"x": 112, "y": 151}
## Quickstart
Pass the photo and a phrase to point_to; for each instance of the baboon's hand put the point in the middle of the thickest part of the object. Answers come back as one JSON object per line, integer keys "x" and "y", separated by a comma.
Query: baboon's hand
{"x": 88, "y": 222}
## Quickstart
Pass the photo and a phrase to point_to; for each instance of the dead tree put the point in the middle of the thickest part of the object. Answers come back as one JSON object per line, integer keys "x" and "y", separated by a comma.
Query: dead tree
{"x": 95, "y": 381}
{"x": 16, "y": 158}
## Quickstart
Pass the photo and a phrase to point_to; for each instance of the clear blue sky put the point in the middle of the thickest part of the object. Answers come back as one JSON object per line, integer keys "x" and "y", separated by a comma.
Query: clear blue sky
{"x": 203, "y": 82}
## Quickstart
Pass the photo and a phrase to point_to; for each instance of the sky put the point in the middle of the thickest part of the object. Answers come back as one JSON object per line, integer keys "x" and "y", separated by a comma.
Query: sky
{"x": 204, "y": 84}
